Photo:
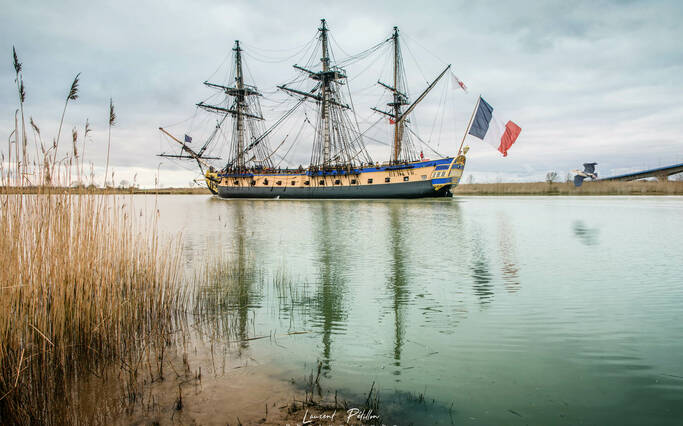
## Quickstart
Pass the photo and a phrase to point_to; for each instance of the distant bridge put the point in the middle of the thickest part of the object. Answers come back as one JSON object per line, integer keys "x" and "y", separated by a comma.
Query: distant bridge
{"x": 661, "y": 173}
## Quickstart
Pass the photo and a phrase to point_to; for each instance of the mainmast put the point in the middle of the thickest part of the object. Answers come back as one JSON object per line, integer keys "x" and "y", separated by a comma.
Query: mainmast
{"x": 337, "y": 141}
{"x": 327, "y": 99}
{"x": 325, "y": 115}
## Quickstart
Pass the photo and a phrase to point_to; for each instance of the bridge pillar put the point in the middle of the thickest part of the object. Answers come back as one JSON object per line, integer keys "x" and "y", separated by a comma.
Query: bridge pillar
{"x": 662, "y": 177}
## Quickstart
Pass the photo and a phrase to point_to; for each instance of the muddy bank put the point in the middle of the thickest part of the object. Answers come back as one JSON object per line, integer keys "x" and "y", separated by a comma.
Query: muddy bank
{"x": 214, "y": 384}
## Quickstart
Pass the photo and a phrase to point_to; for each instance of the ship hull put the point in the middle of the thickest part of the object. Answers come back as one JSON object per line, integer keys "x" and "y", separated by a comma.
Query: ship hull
{"x": 433, "y": 178}
{"x": 395, "y": 190}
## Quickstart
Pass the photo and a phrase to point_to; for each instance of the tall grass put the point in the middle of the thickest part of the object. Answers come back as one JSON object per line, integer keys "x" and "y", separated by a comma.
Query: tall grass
{"x": 85, "y": 283}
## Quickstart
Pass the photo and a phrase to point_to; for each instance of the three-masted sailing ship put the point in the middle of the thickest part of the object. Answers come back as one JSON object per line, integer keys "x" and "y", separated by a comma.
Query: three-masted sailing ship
{"x": 340, "y": 165}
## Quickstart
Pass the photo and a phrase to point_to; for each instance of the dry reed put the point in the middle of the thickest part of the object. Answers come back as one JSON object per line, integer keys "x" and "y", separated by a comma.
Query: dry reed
{"x": 82, "y": 284}
{"x": 85, "y": 283}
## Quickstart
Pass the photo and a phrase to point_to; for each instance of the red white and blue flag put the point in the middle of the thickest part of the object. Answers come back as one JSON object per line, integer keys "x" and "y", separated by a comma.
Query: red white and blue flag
{"x": 487, "y": 126}
{"x": 459, "y": 82}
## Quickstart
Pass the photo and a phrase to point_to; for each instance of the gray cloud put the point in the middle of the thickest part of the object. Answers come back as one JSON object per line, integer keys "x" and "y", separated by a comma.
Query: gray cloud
{"x": 586, "y": 80}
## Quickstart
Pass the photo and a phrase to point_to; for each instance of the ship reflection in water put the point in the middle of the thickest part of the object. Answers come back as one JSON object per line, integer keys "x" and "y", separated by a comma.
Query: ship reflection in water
{"x": 245, "y": 277}
{"x": 481, "y": 276}
{"x": 397, "y": 285}
{"x": 506, "y": 248}
{"x": 329, "y": 313}
{"x": 472, "y": 302}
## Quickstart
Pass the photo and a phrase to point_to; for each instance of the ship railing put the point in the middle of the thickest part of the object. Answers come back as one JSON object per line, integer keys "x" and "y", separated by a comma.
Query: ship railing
{"x": 338, "y": 171}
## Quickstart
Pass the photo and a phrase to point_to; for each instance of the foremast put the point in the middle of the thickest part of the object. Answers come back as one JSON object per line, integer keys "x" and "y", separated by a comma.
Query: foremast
{"x": 241, "y": 112}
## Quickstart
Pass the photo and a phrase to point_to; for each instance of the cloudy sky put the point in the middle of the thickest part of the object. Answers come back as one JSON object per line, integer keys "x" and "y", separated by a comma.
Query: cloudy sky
{"x": 586, "y": 80}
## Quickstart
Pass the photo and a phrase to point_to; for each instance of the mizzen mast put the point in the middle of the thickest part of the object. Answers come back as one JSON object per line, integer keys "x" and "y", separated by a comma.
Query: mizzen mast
{"x": 399, "y": 100}
{"x": 401, "y": 145}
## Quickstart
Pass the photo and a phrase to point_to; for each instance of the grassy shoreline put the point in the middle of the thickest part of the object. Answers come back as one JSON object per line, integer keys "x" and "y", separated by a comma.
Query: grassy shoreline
{"x": 588, "y": 188}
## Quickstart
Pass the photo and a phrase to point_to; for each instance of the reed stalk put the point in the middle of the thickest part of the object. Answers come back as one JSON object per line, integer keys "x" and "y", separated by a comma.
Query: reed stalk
{"x": 112, "y": 122}
{"x": 71, "y": 96}
{"x": 86, "y": 131}
{"x": 19, "y": 80}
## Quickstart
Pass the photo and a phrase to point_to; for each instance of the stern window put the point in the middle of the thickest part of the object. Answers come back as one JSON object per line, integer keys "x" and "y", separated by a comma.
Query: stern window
{"x": 387, "y": 179}
{"x": 370, "y": 180}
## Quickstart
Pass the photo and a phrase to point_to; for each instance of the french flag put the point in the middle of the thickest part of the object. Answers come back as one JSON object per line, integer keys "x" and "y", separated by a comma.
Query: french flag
{"x": 488, "y": 127}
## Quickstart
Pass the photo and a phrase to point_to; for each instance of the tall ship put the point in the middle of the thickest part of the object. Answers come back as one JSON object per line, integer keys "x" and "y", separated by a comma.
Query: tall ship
{"x": 340, "y": 164}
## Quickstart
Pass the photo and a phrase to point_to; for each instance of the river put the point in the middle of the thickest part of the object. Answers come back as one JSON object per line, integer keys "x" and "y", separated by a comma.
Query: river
{"x": 478, "y": 310}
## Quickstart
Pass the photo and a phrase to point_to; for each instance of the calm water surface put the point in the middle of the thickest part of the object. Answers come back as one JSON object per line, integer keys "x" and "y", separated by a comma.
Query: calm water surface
{"x": 519, "y": 310}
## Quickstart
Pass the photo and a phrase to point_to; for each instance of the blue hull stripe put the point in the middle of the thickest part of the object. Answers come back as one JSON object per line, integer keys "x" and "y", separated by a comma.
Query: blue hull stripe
{"x": 441, "y": 181}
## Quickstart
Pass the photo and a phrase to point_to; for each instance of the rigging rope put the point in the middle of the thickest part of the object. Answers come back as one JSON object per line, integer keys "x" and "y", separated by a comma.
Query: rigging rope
{"x": 347, "y": 141}
{"x": 424, "y": 143}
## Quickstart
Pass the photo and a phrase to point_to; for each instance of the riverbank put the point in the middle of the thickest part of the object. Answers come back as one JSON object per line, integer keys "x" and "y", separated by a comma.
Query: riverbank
{"x": 639, "y": 187}
{"x": 589, "y": 188}
{"x": 214, "y": 382}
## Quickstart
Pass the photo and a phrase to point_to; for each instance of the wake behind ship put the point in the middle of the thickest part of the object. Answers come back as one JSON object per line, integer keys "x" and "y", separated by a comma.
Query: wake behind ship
{"x": 340, "y": 165}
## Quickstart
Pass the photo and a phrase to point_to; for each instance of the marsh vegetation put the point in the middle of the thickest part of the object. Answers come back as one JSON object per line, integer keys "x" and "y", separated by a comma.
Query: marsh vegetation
{"x": 86, "y": 282}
